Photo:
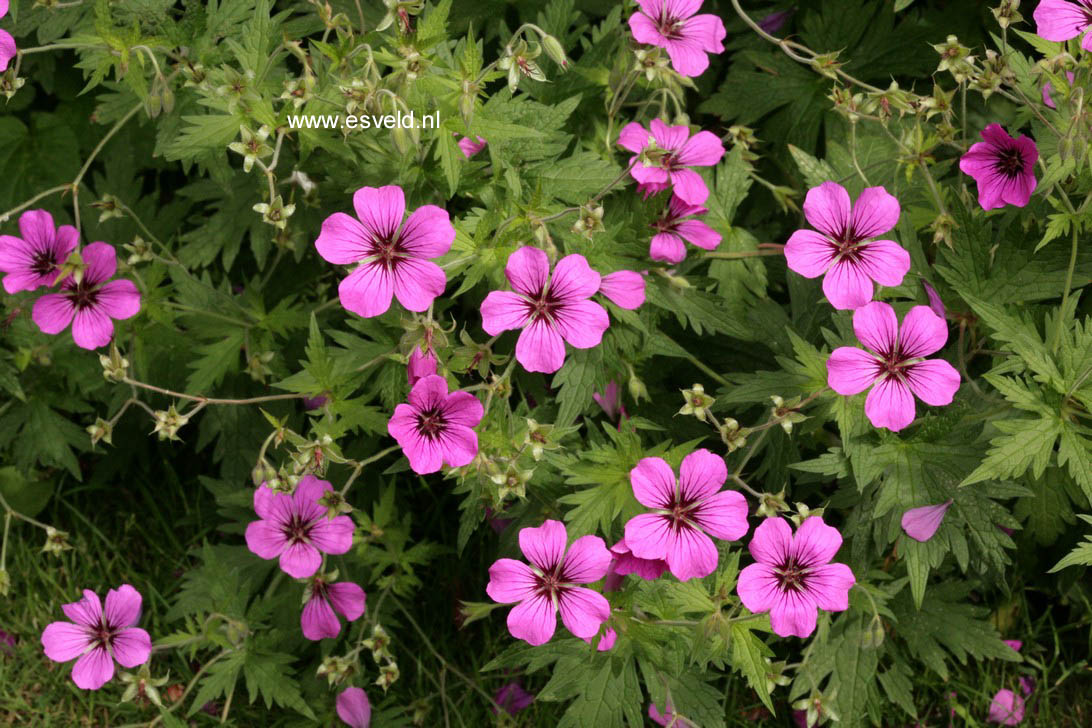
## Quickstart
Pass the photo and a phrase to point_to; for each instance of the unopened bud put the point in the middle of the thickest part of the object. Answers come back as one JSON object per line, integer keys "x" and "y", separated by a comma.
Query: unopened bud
{"x": 553, "y": 49}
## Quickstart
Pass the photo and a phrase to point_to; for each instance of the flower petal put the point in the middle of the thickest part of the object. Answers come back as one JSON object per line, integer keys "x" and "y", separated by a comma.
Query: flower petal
{"x": 332, "y": 535}
{"x": 691, "y": 554}
{"x": 119, "y": 299}
{"x": 417, "y": 283}
{"x": 772, "y": 541}
{"x": 699, "y": 233}
{"x": 586, "y": 561}
{"x": 540, "y": 348}
{"x": 847, "y": 285}
{"x": 265, "y": 539}
{"x": 815, "y": 542}
{"x": 354, "y": 708}
{"x": 428, "y": 233}
{"x": 87, "y": 611}
{"x": 794, "y": 614}
{"x": 343, "y": 240}
{"x": 689, "y": 186}
{"x": 367, "y": 291}
{"x": 93, "y": 670}
{"x": 380, "y": 209}
{"x": 91, "y": 328}
{"x": 583, "y": 611}
{"x": 875, "y": 212}
{"x": 63, "y": 641}
{"x": 527, "y": 270}
{"x": 624, "y": 288}
{"x": 809, "y": 253}
{"x": 653, "y": 482}
{"x": 463, "y": 408}
{"x": 884, "y": 261}
{"x": 890, "y": 404}
{"x": 574, "y": 279}
{"x": 633, "y": 136}
{"x": 851, "y": 370}
{"x": 582, "y": 323}
{"x": 101, "y": 261}
{"x": 922, "y": 523}
{"x": 922, "y": 333}
{"x": 935, "y": 381}
{"x": 300, "y": 560}
{"x": 510, "y": 581}
{"x": 667, "y": 247}
{"x": 758, "y": 587}
{"x": 827, "y": 209}
{"x": 701, "y": 475}
{"x": 723, "y": 516}
{"x": 829, "y": 586}
{"x": 131, "y": 646}
{"x": 649, "y": 536}
{"x": 123, "y": 606}
{"x": 533, "y": 620}
{"x": 544, "y": 546}
{"x": 53, "y": 312}
{"x": 704, "y": 149}
{"x": 503, "y": 310}
{"x": 876, "y": 326}
{"x": 1059, "y": 20}
{"x": 318, "y": 621}
{"x": 459, "y": 445}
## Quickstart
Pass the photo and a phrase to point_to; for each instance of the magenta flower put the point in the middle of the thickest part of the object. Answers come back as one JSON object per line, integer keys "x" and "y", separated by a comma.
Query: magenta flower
{"x": 90, "y": 304}
{"x": 1014, "y": 644}
{"x": 673, "y": 228}
{"x": 1006, "y": 708}
{"x": 35, "y": 259}
{"x": 436, "y": 427}
{"x": 314, "y": 403}
{"x": 623, "y": 288}
{"x": 323, "y": 599}
{"x": 610, "y": 399}
{"x": 1027, "y": 685}
{"x": 549, "y": 584}
{"x": 7, "y": 43}
{"x": 550, "y": 309}
{"x": 841, "y": 249}
{"x": 354, "y": 708}
{"x": 684, "y": 513}
{"x": 295, "y": 527}
{"x": 626, "y": 563}
{"x": 470, "y": 147}
{"x": 1003, "y": 167}
{"x": 606, "y": 642}
{"x": 420, "y": 365}
{"x": 1060, "y": 20}
{"x": 793, "y": 578}
{"x": 99, "y": 637}
{"x": 669, "y": 718}
{"x": 673, "y": 26}
{"x": 921, "y": 523}
{"x": 894, "y": 364}
{"x": 512, "y": 698}
{"x": 1048, "y": 89}
{"x": 394, "y": 257}
{"x": 664, "y": 155}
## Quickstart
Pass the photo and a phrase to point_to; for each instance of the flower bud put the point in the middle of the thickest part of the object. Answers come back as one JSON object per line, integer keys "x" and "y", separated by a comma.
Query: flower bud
{"x": 553, "y": 49}
{"x": 115, "y": 367}
{"x": 101, "y": 430}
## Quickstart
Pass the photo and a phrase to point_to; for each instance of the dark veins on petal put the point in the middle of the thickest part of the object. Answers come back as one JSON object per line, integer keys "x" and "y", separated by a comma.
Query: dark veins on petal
{"x": 1009, "y": 162}
{"x": 431, "y": 423}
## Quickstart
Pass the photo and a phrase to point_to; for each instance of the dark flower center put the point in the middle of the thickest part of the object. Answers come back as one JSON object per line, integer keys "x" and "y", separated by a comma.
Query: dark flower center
{"x": 1010, "y": 162}
{"x": 102, "y": 633}
{"x": 669, "y": 26}
{"x": 552, "y": 582}
{"x": 84, "y": 294}
{"x": 678, "y": 511}
{"x": 43, "y": 263}
{"x": 792, "y": 576}
{"x": 544, "y": 306}
{"x": 431, "y": 423}
{"x": 389, "y": 250}
{"x": 297, "y": 529}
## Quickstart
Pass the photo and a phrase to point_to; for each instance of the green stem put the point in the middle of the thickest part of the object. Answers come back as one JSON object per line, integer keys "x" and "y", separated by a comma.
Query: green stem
{"x": 1056, "y": 339}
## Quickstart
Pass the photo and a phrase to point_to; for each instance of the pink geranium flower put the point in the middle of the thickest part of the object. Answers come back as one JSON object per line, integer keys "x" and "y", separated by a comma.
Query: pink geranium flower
{"x": 936, "y": 305}
{"x": 322, "y": 599}
{"x": 626, "y": 563}
{"x": 1061, "y": 20}
{"x": 394, "y": 257}
{"x": 623, "y": 288}
{"x": 90, "y": 304}
{"x": 842, "y": 249}
{"x": 921, "y": 523}
{"x": 512, "y": 698}
{"x": 421, "y": 364}
{"x": 295, "y": 527}
{"x": 1048, "y": 89}
{"x": 470, "y": 147}
{"x": 35, "y": 259}
{"x": 550, "y": 309}
{"x": 673, "y": 228}
{"x": 1003, "y": 167}
{"x": 664, "y": 153}
{"x": 1006, "y": 708}
{"x": 673, "y": 26}
{"x": 894, "y": 364}
{"x": 793, "y": 578}
{"x": 354, "y": 708}
{"x": 550, "y": 584}
{"x": 99, "y": 637}
{"x": 436, "y": 427}
{"x": 685, "y": 513}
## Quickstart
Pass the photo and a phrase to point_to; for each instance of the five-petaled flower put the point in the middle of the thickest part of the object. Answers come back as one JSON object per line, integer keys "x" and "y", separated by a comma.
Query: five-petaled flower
{"x": 550, "y": 584}
{"x": 894, "y": 364}
{"x": 323, "y": 599}
{"x": 394, "y": 257}
{"x": 664, "y": 154}
{"x": 685, "y": 513}
{"x": 90, "y": 304}
{"x": 673, "y": 26}
{"x": 550, "y": 309}
{"x": 296, "y": 528}
{"x": 842, "y": 249}
{"x": 436, "y": 426}
{"x": 99, "y": 636}
{"x": 35, "y": 259}
{"x": 674, "y": 227}
{"x": 1003, "y": 167}
{"x": 1062, "y": 20}
{"x": 793, "y": 578}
